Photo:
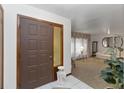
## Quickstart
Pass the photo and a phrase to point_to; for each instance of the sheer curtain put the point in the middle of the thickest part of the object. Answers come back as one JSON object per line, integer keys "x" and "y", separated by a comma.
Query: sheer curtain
{"x": 72, "y": 47}
{"x": 85, "y": 45}
{"x": 78, "y": 47}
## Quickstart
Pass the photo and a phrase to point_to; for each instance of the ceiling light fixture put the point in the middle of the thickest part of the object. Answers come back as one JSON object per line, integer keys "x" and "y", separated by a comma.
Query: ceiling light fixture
{"x": 108, "y": 31}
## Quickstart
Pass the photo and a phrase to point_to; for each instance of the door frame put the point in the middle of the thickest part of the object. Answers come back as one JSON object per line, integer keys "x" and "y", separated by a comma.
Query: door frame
{"x": 2, "y": 45}
{"x": 19, "y": 40}
{"x": 61, "y": 64}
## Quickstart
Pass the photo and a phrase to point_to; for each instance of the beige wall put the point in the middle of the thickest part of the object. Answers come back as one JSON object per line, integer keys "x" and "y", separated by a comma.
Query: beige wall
{"x": 0, "y": 48}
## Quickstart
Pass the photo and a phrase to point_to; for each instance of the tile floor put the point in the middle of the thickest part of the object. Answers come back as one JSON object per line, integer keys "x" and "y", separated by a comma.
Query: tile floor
{"x": 70, "y": 83}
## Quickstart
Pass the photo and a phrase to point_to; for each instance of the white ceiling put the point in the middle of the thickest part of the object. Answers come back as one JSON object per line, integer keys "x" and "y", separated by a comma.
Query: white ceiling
{"x": 89, "y": 17}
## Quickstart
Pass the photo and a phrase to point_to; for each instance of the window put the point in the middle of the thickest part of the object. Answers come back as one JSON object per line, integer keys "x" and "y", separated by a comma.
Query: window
{"x": 78, "y": 47}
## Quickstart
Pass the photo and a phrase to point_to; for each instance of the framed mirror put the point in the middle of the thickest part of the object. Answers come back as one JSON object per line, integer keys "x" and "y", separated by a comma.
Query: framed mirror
{"x": 105, "y": 42}
{"x": 115, "y": 41}
{"x": 118, "y": 41}
{"x": 108, "y": 42}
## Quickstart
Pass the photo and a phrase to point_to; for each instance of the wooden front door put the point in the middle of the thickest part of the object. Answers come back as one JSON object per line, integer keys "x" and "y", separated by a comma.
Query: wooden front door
{"x": 35, "y": 53}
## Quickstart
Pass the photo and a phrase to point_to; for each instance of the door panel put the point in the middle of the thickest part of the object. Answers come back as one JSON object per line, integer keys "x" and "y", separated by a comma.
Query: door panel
{"x": 58, "y": 46}
{"x": 36, "y": 51}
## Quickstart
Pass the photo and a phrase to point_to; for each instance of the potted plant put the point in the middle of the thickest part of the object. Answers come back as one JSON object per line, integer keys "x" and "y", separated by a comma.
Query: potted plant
{"x": 120, "y": 50}
{"x": 114, "y": 72}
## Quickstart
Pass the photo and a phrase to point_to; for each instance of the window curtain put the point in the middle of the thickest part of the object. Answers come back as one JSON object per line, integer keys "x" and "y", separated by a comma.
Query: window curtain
{"x": 72, "y": 47}
{"x": 79, "y": 41}
{"x": 78, "y": 45}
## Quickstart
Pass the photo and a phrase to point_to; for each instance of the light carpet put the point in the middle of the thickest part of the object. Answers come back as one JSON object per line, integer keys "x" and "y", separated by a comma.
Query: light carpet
{"x": 88, "y": 71}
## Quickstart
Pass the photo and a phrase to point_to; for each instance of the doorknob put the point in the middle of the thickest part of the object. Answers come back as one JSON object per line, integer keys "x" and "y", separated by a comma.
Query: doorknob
{"x": 50, "y": 56}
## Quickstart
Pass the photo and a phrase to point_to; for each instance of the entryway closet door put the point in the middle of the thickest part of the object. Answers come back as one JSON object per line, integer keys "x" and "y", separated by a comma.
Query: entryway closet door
{"x": 35, "y": 52}
{"x": 1, "y": 47}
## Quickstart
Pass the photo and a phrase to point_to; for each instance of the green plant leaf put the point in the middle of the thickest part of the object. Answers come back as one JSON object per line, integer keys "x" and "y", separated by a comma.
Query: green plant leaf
{"x": 114, "y": 72}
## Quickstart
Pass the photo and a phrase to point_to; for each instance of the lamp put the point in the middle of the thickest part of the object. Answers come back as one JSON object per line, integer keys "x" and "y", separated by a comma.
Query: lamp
{"x": 81, "y": 49}
{"x": 108, "y": 31}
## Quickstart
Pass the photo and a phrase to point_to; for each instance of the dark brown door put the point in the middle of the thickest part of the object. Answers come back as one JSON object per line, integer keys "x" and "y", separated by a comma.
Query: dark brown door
{"x": 36, "y": 53}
